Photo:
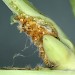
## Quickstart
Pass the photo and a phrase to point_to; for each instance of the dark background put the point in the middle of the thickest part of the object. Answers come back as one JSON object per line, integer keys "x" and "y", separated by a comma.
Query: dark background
{"x": 12, "y": 42}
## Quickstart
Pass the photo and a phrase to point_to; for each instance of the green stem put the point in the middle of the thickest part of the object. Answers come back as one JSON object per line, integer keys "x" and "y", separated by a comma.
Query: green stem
{"x": 32, "y": 72}
{"x": 24, "y": 7}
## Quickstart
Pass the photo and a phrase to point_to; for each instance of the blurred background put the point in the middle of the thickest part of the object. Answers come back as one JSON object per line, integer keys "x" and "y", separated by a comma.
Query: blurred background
{"x": 12, "y": 43}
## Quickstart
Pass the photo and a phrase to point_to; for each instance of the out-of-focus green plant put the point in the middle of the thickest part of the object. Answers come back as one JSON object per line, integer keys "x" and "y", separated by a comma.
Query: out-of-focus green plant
{"x": 73, "y": 6}
{"x": 59, "y": 51}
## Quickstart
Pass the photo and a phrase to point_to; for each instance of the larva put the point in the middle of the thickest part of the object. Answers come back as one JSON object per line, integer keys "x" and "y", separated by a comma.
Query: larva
{"x": 36, "y": 28}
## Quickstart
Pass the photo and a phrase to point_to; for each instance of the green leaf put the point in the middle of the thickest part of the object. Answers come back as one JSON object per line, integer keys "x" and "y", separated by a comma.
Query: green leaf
{"x": 56, "y": 50}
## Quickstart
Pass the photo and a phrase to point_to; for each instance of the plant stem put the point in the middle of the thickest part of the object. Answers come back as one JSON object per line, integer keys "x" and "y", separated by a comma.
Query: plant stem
{"x": 32, "y": 72}
{"x": 24, "y": 7}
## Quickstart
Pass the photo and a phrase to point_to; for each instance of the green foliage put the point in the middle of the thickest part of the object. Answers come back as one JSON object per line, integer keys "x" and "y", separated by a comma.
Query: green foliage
{"x": 73, "y": 6}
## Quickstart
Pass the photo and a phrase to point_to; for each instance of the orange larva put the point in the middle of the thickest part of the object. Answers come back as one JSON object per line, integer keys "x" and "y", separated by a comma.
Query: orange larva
{"x": 36, "y": 32}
